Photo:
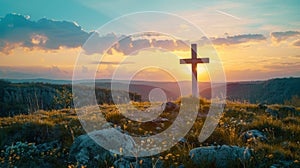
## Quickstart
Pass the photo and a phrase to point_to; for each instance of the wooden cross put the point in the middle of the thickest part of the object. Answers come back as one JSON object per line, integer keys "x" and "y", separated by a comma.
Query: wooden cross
{"x": 194, "y": 61}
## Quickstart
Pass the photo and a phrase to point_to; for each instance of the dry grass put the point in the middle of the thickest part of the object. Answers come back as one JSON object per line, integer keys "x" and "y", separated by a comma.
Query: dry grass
{"x": 63, "y": 125}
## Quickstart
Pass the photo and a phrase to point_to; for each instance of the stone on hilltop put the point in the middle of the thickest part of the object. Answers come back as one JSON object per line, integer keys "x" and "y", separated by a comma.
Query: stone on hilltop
{"x": 220, "y": 156}
{"x": 86, "y": 151}
{"x": 272, "y": 112}
{"x": 169, "y": 107}
{"x": 253, "y": 136}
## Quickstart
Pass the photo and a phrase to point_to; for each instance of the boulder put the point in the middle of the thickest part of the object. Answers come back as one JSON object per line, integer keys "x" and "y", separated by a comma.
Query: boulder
{"x": 169, "y": 107}
{"x": 253, "y": 136}
{"x": 262, "y": 106}
{"x": 272, "y": 112}
{"x": 122, "y": 163}
{"x": 85, "y": 151}
{"x": 49, "y": 146}
{"x": 220, "y": 156}
{"x": 286, "y": 111}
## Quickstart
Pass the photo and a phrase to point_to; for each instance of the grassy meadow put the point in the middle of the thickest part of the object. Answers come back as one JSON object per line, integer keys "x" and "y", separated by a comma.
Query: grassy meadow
{"x": 22, "y": 136}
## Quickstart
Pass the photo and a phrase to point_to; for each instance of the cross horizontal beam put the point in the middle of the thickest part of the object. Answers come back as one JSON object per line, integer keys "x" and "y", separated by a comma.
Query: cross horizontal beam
{"x": 194, "y": 61}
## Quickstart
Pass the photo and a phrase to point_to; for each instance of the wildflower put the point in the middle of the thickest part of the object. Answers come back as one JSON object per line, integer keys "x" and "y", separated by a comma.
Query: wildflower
{"x": 270, "y": 156}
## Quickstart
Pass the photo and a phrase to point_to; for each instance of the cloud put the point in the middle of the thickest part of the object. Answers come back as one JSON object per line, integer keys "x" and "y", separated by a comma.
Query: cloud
{"x": 99, "y": 44}
{"x": 272, "y": 72}
{"x": 283, "y": 68}
{"x": 237, "y": 39}
{"x": 132, "y": 45}
{"x": 297, "y": 43}
{"x": 55, "y": 69}
{"x": 281, "y": 36}
{"x": 25, "y": 72}
{"x": 18, "y": 30}
{"x": 111, "y": 62}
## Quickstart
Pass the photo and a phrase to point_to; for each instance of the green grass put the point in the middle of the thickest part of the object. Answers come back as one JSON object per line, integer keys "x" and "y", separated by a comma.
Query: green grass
{"x": 63, "y": 126}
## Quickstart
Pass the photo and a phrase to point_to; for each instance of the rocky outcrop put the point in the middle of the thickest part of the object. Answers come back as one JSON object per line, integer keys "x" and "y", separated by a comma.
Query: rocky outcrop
{"x": 220, "y": 156}
{"x": 86, "y": 152}
{"x": 87, "y": 149}
{"x": 169, "y": 107}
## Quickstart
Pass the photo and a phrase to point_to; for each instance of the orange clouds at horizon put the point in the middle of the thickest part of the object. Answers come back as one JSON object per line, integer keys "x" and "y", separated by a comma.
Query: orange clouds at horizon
{"x": 251, "y": 60}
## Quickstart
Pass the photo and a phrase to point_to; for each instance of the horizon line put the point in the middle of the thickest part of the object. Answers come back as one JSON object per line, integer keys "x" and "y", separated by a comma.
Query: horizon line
{"x": 157, "y": 81}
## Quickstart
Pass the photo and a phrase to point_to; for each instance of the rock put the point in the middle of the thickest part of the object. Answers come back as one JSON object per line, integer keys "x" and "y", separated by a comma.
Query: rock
{"x": 122, "y": 163}
{"x": 285, "y": 144}
{"x": 262, "y": 106}
{"x": 49, "y": 146}
{"x": 253, "y": 136}
{"x": 272, "y": 112}
{"x": 182, "y": 140}
{"x": 169, "y": 107}
{"x": 284, "y": 163}
{"x": 287, "y": 109}
{"x": 85, "y": 151}
{"x": 220, "y": 156}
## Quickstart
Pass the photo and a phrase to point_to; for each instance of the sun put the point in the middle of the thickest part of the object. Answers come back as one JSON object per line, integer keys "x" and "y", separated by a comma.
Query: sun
{"x": 203, "y": 74}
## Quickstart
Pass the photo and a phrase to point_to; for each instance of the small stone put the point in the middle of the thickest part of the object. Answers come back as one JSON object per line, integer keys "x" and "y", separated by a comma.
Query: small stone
{"x": 122, "y": 163}
{"x": 169, "y": 106}
{"x": 253, "y": 136}
{"x": 262, "y": 106}
{"x": 272, "y": 112}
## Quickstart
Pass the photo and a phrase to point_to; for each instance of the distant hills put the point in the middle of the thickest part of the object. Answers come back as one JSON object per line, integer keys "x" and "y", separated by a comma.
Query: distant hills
{"x": 273, "y": 91}
{"x": 25, "y": 98}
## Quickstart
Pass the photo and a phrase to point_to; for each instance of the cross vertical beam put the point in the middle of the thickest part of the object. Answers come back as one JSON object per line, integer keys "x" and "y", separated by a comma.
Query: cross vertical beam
{"x": 194, "y": 61}
{"x": 194, "y": 71}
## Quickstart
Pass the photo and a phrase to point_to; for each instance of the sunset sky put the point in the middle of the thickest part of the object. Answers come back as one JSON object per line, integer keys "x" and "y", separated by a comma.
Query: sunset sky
{"x": 254, "y": 40}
